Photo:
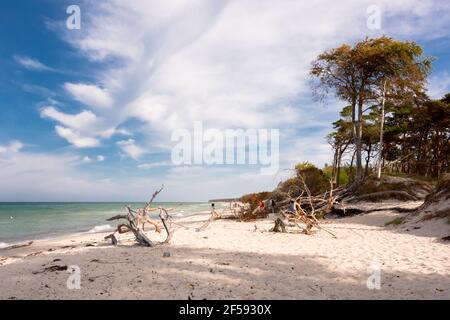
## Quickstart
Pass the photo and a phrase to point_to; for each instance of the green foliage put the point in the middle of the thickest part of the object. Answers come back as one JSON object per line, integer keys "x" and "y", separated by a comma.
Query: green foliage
{"x": 316, "y": 180}
{"x": 373, "y": 70}
{"x": 418, "y": 133}
{"x": 344, "y": 176}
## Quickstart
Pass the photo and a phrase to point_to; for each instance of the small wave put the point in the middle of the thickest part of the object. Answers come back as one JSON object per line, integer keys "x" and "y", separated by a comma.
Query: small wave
{"x": 3, "y": 245}
{"x": 102, "y": 228}
{"x": 178, "y": 214}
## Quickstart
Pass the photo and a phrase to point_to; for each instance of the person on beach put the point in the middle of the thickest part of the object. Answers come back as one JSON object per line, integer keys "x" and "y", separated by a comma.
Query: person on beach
{"x": 291, "y": 208}
{"x": 213, "y": 211}
{"x": 262, "y": 206}
{"x": 272, "y": 205}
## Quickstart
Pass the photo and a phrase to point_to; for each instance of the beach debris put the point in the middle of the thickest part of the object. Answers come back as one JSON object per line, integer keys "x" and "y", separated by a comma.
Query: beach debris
{"x": 136, "y": 220}
{"x": 3, "y": 260}
{"x": 304, "y": 209}
{"x": 226, "y": 213}
{"x": 56, "y": 268}
{"x": 280, "y": 226}
{"x": 34, "y": 254}
{"x": 166, "y": 254}
{"x": 53, "y": 268}
{"x": 20, "y": 245}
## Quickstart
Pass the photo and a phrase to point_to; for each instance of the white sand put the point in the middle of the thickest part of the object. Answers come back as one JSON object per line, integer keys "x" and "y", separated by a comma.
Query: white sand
{"x": 231, "y": 260}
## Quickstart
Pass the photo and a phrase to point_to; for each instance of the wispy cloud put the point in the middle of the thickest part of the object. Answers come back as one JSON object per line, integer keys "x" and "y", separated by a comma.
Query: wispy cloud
{"x": 87, "y": 159}
{"x": 90, "y": 95}
{"x": 76, "y": 139}
{"x": 130, "y": 148}
{"x": 84, "y": 129}
{"x": 32, "y": 64}
{"x": 147, "y": 166}
{"x": 439, "y": 84}
{"x": 38, "y": 176}
{"x": 12, "y": 147}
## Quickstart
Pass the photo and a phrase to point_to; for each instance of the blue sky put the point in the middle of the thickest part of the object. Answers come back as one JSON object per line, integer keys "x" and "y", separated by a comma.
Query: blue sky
{"x": 87, "y": 115}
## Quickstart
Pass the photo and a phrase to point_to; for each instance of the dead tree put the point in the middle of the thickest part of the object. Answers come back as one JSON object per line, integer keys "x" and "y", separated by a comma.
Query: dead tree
{"x": 133, "y": 220}
{"x": 306, "y": 209}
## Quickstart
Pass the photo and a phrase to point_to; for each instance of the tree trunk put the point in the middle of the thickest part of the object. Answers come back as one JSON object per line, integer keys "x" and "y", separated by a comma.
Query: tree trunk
{"x": 358, "y": 174}
{"x": 369, "y": 151}
{"x": 338, "y": 171}
{"x": 380, "y": 155}
{"x": 351, "y": 162}
{"x": 335, "y": 165}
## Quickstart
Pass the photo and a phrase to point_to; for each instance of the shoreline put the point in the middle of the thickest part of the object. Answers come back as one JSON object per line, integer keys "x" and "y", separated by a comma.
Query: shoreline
{"x": 83, "y": 230}
{"x": 240, "y": 260}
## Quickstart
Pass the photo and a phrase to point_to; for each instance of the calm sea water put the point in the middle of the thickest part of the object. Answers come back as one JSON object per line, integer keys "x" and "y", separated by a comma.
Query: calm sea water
{"x": 26, "y": 221}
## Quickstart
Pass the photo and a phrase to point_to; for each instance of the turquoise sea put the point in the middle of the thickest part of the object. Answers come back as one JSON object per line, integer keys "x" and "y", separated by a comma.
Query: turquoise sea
{"x": 27, "y": 221}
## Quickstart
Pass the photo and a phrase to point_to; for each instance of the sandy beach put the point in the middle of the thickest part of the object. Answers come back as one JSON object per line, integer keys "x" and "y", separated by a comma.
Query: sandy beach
{"x": 236, "y": 260}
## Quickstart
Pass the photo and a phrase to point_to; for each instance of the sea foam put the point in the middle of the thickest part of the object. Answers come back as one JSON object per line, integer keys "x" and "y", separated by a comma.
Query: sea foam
{"x": 102, "y": 228}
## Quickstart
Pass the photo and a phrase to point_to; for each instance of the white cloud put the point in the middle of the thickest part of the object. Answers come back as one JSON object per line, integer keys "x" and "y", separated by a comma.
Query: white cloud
{"x": 84, "y": 119}
{"x": 131, "y": 149}
{"x": 439, "y": 84}
{"x": 32, "y": 64}
{"x": 86, "y": 159}
{"x": 75, "y": 138}
{"x": 13, "y": 147}
{"x": 146, "y": 166}
{"x": 90, "y": 95}
{"x": 59, "y": 177}
{"x": 84, "y": 129}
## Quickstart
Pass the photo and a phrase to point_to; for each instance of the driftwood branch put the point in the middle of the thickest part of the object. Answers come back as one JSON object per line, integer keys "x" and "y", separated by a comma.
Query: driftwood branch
{"x": 306, "y": 208}
{"x": 135, "y": 219}
{"x": 214, "y": 216}
{"x": 164, "y": 216}
{"x": 17, "y": 246}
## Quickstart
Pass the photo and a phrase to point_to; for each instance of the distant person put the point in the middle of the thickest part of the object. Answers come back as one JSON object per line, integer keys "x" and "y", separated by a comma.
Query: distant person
{"x": 262, "y": 205}
{"x": 272, "y": 205}
{"x": 291, "y": 208}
